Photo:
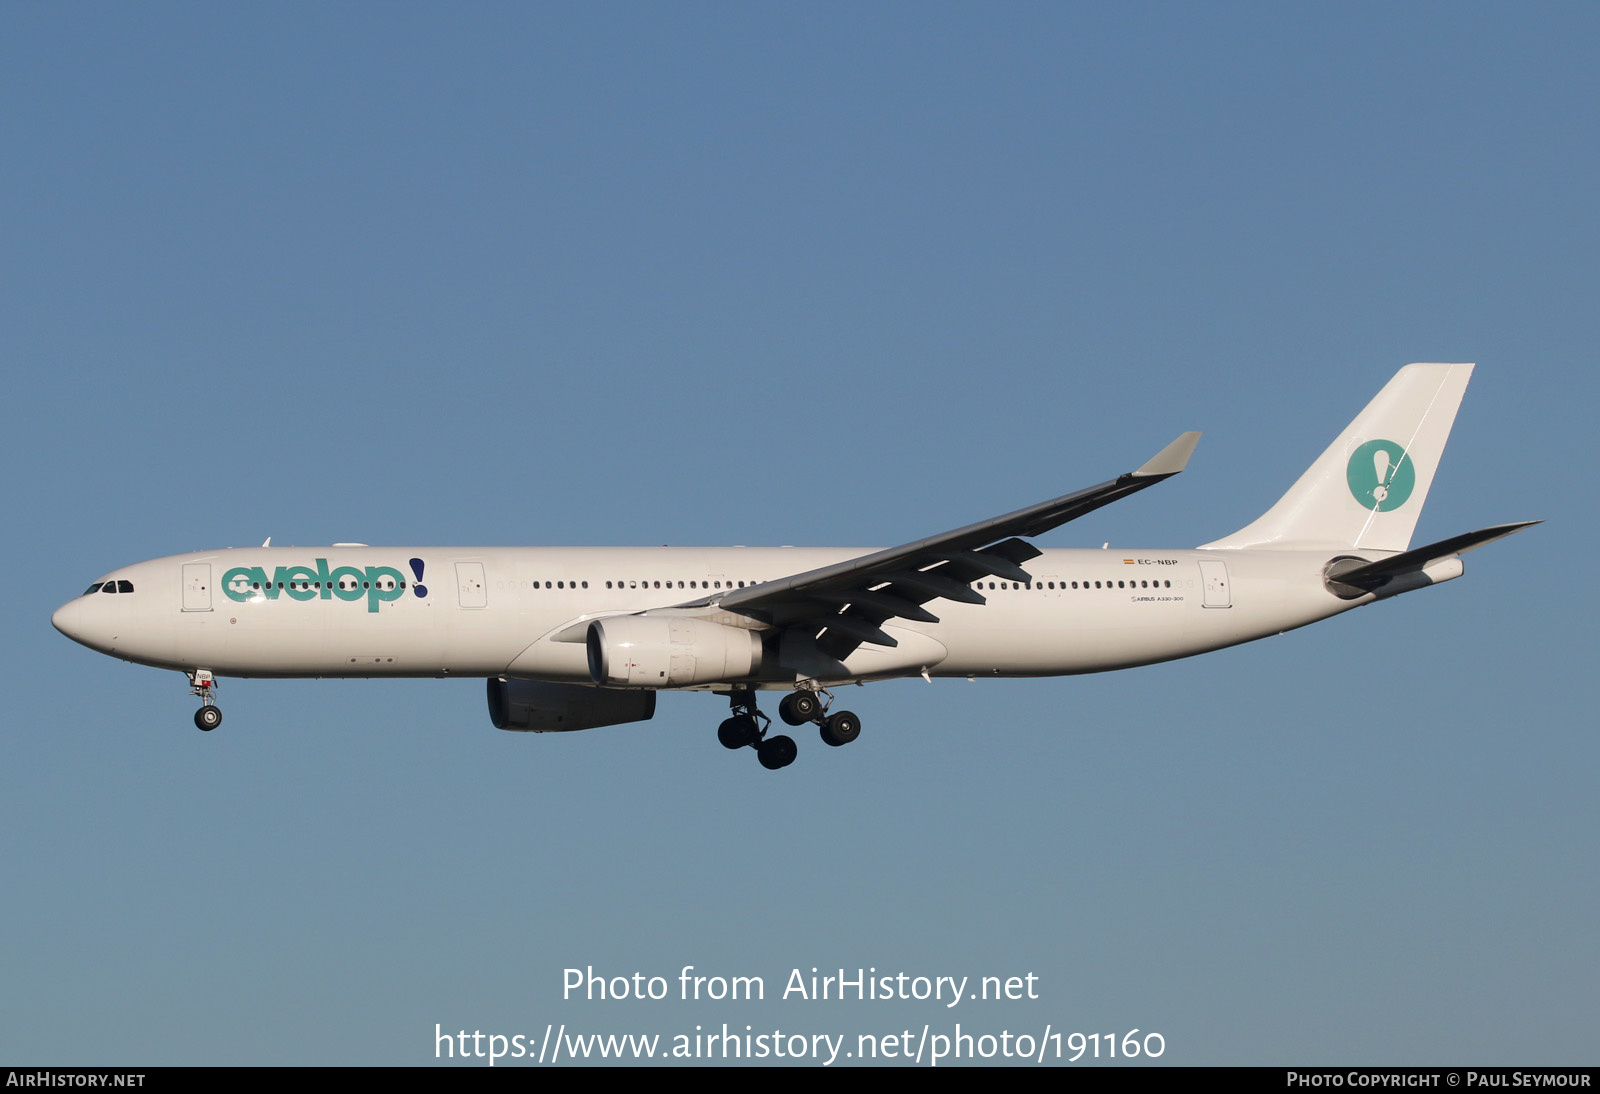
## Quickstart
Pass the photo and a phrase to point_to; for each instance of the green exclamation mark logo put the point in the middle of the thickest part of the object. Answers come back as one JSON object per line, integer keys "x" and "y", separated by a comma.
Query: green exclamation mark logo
{"x": 1381, "y": 475}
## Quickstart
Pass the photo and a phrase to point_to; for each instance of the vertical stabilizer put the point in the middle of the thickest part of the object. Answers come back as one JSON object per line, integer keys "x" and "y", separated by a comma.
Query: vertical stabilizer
{"x": 1367, "y": 489}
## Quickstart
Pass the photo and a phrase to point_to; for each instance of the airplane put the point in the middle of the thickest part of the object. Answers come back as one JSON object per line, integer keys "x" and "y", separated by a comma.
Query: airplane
{"x": 572, "y": 638}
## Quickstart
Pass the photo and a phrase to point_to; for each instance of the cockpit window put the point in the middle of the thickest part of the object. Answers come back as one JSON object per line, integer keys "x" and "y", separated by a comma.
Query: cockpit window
{"x": 122, "y": 586}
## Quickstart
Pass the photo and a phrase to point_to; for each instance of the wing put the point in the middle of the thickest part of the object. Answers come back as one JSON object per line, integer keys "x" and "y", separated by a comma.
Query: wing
{"x": 836, "y": 608}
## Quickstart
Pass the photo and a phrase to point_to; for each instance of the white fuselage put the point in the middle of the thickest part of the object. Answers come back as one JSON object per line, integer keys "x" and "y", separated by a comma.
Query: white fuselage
{"x": 514, "y": 611}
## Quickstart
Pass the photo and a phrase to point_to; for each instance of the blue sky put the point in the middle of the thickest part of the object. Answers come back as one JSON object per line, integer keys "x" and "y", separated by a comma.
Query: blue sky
{"x": 832, "y": 274}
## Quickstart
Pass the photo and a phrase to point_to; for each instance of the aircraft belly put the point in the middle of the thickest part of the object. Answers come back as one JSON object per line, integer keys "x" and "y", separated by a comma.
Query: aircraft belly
{"x": 1064, "y": 650}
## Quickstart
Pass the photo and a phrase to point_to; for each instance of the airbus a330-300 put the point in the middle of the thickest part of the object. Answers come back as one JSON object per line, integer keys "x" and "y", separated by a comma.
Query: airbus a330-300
{"x": 575, "y": 637}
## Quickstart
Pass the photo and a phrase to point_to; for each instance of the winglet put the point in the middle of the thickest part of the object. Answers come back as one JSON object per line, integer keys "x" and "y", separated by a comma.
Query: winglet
{"x": 1171, "y": 459}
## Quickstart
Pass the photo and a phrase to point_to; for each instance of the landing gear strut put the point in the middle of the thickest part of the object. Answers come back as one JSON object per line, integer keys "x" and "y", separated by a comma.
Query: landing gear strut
{"x": 204, "y": 685}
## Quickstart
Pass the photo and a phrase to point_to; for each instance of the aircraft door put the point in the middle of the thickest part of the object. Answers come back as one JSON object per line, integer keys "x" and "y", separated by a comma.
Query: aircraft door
{"x": 197, "y": 586}
{"x": 473, "y": 591}
{"x": 1214, "y": 575}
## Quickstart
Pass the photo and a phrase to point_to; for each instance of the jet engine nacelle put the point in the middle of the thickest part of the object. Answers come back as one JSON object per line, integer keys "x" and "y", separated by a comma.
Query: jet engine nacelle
{"x": 533, "y": 707}
{"x": 644, "y": 651}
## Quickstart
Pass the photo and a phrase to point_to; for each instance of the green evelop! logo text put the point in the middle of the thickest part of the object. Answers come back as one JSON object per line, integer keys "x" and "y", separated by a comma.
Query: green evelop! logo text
{"x": 1381, "y": 475}
{"x": 375, "y": 584}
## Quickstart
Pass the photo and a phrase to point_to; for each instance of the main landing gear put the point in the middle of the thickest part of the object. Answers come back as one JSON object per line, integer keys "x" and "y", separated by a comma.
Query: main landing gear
{"x": 203, "y": 684}
{"x": 748, "y": 726}
{"x": 803, "y": 706}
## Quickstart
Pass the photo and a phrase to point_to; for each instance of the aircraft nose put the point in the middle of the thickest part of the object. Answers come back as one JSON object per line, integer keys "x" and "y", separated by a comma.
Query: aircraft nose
{"x": 66, "y": 619}
{"x": 75, "y": 620}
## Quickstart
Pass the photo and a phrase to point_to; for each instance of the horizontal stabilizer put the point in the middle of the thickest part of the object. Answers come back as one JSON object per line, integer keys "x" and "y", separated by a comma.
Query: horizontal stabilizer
{"x": 1350, "y": 578}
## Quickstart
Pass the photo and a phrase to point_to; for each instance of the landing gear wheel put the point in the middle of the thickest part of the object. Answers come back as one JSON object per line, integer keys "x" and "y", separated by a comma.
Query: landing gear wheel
{"x": 776, "y": 752}
{"x": 738, "y": 731}
{"x": 799, "y": 708}
{"x": 208, "y": 718}
{"x": 841, "y": 729}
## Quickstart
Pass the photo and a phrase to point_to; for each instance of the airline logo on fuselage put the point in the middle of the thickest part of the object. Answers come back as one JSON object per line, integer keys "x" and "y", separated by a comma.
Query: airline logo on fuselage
{"x": 1381, "y": 476}
{"x": 376, "y": 584}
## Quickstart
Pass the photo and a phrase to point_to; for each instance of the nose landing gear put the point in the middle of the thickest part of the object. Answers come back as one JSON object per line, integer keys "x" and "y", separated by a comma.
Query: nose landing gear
{"x": 204, "y": 685}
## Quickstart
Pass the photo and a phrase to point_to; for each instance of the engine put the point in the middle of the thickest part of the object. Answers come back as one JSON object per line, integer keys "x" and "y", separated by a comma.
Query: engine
{"x": 641, "y": 651}
{"x": 533, "y": 707}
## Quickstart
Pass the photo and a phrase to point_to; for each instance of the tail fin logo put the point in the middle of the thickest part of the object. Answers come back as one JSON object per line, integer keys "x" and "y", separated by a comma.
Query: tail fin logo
{"x": 1381, "y": 475}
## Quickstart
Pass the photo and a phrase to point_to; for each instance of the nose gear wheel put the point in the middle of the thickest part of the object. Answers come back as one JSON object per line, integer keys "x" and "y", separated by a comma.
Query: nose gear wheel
{"x": 204, "y": 685}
